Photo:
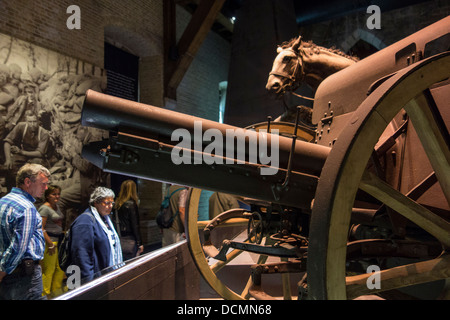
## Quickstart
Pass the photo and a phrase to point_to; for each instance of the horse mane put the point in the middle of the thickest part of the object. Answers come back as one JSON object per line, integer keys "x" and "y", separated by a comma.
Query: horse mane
{"x": 315, "y": 48}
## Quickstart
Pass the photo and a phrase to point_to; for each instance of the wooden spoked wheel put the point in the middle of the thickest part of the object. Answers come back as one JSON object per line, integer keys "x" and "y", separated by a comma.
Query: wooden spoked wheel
{"x": 194, "y": 232}
{"x": 210, "y": 269}
{"x": 345, "y": 172}
{"x": 209, "y": 272}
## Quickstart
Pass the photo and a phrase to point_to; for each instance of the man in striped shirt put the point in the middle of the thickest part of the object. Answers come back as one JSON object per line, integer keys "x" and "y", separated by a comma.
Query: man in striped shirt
{"x": 22, "y": 241}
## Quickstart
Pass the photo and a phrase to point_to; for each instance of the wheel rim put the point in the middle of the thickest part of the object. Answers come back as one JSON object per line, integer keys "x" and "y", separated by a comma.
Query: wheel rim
{"x": 343, "y": 171}
{"x": 209, "y": 272}
{"x": 197, "y": 253}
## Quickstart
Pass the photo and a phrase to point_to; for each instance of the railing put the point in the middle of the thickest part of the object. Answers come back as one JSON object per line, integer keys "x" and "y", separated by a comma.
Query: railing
{"x": 167, "y": 273}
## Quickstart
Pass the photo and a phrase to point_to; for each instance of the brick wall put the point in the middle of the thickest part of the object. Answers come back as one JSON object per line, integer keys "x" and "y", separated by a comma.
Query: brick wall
{"x": 135, "y": 26}
{"x": 44, "y": 23}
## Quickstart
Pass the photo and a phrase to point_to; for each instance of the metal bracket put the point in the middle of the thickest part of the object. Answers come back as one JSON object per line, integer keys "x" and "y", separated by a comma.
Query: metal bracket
{"x": 284, "y": 250}
{"x": 327, "y": 120}
{"x": 256, "y": 289}
{"x": 277, "y": 189}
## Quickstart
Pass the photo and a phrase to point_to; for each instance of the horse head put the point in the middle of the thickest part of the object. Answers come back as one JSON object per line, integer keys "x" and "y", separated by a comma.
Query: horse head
{"x": 287, "y": 69}
{"x": 299, "y": 61}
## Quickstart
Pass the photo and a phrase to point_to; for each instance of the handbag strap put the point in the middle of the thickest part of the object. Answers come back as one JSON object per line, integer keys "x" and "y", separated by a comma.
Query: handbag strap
{"x": 167, "y": 194}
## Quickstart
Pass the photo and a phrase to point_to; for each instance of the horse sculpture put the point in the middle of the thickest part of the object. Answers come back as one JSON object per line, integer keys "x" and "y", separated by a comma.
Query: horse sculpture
{"x": 299, "y": 61}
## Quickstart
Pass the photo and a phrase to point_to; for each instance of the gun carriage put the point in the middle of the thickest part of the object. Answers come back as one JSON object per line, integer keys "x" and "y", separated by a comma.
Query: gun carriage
{"x": 369, "y": 186}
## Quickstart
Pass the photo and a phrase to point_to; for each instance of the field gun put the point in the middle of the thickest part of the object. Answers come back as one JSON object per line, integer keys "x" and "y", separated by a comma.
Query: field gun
{"x": 369, "y": 187}
{"x": 143, "y": 148}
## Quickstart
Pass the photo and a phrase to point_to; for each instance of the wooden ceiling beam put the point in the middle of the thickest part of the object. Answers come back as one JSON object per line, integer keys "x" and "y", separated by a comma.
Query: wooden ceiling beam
{"x": 189, "y": 43}
{"x": 220, "y": 19}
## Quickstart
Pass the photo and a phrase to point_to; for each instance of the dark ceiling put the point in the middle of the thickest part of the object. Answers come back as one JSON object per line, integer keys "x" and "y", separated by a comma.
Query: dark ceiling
{"x": 310, "y": 12}
{"x": 314, "y": 11}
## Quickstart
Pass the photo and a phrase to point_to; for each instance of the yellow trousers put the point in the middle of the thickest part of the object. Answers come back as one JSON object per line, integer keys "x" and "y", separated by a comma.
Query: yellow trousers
{"x": 52, "y": 275}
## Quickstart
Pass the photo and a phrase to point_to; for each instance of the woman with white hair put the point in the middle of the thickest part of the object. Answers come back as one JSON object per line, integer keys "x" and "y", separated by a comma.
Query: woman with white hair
{"x": 95, "y": 244}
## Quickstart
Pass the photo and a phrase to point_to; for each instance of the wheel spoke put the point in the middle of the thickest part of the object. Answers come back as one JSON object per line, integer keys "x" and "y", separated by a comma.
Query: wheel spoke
{"x": 410, "y": 209}
{"x": 196, "y": 249}
{"x": 200, "y": 250}
{"x": 287, "y": 294}
{"x": 216, "y": 267}
{"x": 246, "y": 292}
{"x": 432, "y": 140}
{"x": 398, "y": 277}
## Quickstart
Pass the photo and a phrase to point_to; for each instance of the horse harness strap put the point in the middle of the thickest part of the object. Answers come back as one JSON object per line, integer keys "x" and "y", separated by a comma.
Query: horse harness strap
{"x": 289, "y": 76}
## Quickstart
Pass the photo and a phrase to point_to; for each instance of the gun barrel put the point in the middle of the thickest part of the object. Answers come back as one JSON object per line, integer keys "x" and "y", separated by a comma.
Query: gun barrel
{"x": 143, "y": 146}
{"x": 115, "y": 114}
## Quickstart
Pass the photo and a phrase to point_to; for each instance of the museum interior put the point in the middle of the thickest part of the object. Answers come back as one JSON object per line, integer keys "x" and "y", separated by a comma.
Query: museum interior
{"x": 353, "y": 201}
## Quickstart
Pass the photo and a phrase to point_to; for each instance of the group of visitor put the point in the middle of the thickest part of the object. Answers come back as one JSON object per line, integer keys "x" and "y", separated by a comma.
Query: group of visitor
{"x": 29, "y": 237}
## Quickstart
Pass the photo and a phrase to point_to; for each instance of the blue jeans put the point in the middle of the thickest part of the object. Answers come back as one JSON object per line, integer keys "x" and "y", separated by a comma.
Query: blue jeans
{"x": 17, "y": 286}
